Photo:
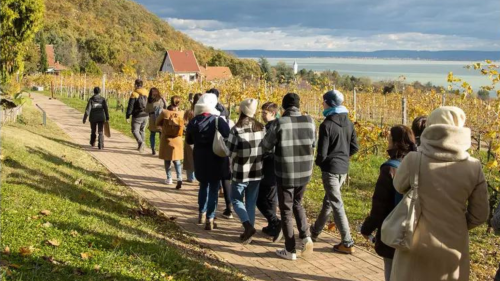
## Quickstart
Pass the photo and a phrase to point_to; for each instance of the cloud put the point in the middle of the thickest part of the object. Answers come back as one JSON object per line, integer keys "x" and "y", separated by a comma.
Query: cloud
{"x": 300, "y": 38}
{"x": 453, "y": 22}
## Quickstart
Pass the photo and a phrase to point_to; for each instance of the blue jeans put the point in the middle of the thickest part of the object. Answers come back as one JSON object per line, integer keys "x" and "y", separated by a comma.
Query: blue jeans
{"x": 152, "y": 139}
{"x": 249, "y": 190}
{"x": 178, "y": 169}
{"x": 332, "y": 202}
{"x": 190, "y": 175}
{"x": 208, "y": 196}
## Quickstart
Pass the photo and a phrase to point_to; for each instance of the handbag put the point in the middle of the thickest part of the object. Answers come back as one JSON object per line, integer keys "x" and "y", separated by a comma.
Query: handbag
{"x": 219, "y": 146}
{"x": 399, "y": 226}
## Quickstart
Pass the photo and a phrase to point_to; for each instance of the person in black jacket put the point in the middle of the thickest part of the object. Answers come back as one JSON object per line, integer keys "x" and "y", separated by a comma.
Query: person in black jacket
{"x": 385, "y": 197}
{"x": 136, "y": 109}
{"x": 97, "y": 112}
{"x": 267, "y": 198}
{"x": 337, "y": 142}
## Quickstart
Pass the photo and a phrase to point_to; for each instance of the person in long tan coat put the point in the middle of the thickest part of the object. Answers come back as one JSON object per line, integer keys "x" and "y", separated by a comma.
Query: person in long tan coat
{"x": 171, "y": 122}
{"x": 453, "y": 197}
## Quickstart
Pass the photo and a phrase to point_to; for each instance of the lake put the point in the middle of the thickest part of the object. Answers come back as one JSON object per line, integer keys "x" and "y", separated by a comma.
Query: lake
{"x": 435, "y": 72}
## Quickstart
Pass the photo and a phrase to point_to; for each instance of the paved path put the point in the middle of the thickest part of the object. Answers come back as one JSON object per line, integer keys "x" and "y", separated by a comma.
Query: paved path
{"x": 145, "y": 175}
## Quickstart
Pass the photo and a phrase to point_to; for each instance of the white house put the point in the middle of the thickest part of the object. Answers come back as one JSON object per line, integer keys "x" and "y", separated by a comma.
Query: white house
{"x": 182, "y": 64}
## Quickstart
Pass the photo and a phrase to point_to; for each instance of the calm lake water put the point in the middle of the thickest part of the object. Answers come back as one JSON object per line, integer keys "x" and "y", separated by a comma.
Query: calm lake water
{"x": 435, "y": 72}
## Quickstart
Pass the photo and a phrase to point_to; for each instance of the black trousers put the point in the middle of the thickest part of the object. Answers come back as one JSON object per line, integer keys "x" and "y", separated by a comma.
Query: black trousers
{"x": 266, "y": 202}
{"x": 290, "y": 202}
{"x": 99, "y": 127}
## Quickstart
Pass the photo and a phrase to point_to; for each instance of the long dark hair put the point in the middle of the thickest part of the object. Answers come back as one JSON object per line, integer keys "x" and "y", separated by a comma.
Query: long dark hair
{"x": 154, "y": 95}
{"x": 403, "y": 141}
{"x": 418, "y": 126}
{"x": 245, "y": 120}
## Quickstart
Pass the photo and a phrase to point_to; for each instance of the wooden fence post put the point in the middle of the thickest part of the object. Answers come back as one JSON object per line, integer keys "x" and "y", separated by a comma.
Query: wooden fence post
{"x": 404, "y": 111}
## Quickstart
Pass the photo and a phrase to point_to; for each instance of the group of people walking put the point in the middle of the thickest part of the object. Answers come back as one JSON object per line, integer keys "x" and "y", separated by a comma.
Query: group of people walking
{"x": 268, "y": 164}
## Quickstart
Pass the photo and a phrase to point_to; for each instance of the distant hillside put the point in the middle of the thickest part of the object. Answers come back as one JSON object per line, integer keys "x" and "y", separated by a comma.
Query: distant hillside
{"x": 112, "y": 33}
{"x": 385, "y": 54}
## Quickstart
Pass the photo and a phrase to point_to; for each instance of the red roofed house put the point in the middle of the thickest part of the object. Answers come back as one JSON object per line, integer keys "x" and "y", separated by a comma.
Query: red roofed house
{"x": 181, "y": 63}
{"x": 211, "y": 73}
{"x": 54, "y": 66}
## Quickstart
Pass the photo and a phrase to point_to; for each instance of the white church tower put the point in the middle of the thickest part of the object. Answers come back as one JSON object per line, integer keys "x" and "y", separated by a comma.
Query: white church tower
{"x": 295, "y": 67}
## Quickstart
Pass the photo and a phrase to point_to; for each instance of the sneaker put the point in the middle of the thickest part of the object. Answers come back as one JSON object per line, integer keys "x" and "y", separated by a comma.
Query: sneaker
{"x": 341, "y": 248}
{"x": 210, "y": 225}
{"x": 307, "y": 246}
{"x": 141, "y": 147}
{"x": 179, "y": 185}
{"x": 153, "y": 152}
{"x": 314, "y": 236}
{"x": 202, "y": 218}
{"x": 227, "y": 214}
{"x": 169, "y": 181}
{"x": 248, "y": 234}
{"x": 283, "y": 253}
{"x": 267, "y": 230}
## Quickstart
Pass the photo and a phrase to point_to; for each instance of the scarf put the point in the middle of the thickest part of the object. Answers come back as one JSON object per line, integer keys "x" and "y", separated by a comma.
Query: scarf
{"x": 335, "y": 110}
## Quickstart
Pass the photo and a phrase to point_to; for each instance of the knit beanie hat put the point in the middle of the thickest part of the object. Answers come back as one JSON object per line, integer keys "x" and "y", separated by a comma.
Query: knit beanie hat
{"x": 333, "y": 98}
{"x": 249, "y": 107}
{"x": 290, "y": 100}
{"x": 206, "y": 104}
{"x": 447, "y": 115}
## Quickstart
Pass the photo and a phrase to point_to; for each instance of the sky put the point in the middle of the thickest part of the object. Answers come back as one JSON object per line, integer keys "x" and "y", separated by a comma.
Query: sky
{"x": 335, "y": 25}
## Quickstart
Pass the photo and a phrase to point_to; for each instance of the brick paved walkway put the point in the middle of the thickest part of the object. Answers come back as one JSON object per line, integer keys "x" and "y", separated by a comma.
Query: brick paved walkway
{"x": 145, "y": 175}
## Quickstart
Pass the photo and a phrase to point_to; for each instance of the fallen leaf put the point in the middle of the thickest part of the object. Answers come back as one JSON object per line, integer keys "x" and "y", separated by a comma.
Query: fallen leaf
{"x": 74, "y": 233}
{"x": 51, "y": 260}
{"x": 90, "y": 244}
{"x": 97, "y": 267}
{"x": 85, "y": 256}
{"x": 170, "y": 277}
{"x": 78, "y": 181}
{"x": 45, "y": 212}
{"x": 6, "y": 251}
{"x": 173, "y": 218}
{"x": 47, "y": 224}
{"x": 78, "y": 271}
{"x": 35, "y": 217}
{"x": 117, "y": 241}
{"x": 16, "y": 266}
{"x": 331, "y": 226}
{"x": 26, "y": 251}
{"x": 53, "y": 242}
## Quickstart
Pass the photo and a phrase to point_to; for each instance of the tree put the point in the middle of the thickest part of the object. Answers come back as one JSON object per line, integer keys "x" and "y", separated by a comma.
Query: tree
{"x": 20, "y": 20}
{"x": 266, "y": 69}
{"x": 483, "y": 94}
{"x": 44, "y": 64}
{"x": 284, "y": 73}
{"x": 92, "y": 68}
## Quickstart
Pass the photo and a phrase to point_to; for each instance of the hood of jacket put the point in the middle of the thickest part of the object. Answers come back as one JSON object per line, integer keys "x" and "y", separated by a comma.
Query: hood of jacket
{"x": 342, "y": 119}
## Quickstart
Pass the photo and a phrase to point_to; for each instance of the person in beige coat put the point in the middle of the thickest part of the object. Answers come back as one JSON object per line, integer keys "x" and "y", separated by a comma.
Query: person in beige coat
{"x": 171, "y": 122}
{"x": 453, "y": 197}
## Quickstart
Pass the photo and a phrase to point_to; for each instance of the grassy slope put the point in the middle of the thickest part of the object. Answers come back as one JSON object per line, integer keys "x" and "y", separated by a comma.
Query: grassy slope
{"x": 91, "y": 213}
{"x": 357, "y": 200}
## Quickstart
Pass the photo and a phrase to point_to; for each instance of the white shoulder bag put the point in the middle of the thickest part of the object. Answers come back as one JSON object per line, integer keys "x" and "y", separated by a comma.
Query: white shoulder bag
{"x": 219, "y": 146}
{"x": 399, "y": 226}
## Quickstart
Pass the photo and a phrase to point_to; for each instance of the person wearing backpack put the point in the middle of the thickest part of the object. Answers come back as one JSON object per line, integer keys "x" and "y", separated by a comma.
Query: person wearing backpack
{"x": 246, "y": 158}
{"x": 385, "y": 197}
{"x": 137, "y": 110}
{"x": 337, "y": 142}
{"x": 171, "y": 122}
{"x": 156, "y": 103}
{"x": 208, "y": 167}
{"x": 97, "y": 112}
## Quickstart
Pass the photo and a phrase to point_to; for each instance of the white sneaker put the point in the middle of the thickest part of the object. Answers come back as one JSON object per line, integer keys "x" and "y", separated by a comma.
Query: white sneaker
{"x": 169, "y": 181}
{"x": 307, "y": 246}
{"x": 283, "y": 253}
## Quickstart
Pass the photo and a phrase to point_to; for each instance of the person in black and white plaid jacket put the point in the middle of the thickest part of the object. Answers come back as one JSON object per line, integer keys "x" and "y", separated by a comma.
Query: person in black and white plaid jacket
{"x": 246, "y": 157}
{"x": 293, "y": 136}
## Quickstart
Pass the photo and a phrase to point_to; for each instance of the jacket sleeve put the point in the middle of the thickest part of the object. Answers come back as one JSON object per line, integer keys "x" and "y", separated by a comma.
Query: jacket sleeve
{"x": 271, "y": 137}
{"x": 478, "y": 208}
{"x": 189, "y": 133}
{"x": 105, "y": 107}
{"x": 87, "y": 112}
{"x": 323, "y": 142}
{"x": 232, "y": 143}
{"x": 130, "y": 106}
{"x": 354, "y": 146}
{"x": 382, "y": 201}
{"x": 159, "y": 119}
{"x": 402, "y": 178}
{"x": 223, "y": 127}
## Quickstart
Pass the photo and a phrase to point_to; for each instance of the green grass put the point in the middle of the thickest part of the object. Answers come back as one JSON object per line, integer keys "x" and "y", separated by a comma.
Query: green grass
{"x": 357, "y": 194}
{"x": 103, "y": 230}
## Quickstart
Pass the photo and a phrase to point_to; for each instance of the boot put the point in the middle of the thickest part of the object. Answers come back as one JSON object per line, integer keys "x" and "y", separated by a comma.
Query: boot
{"x": 210, "y": 225}
{"x": 100, "y": 141}
{"x": 92, "y": 139}
{"x": 248, "y": 234}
